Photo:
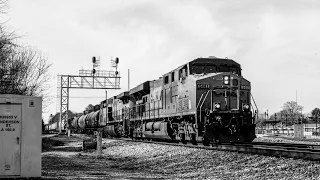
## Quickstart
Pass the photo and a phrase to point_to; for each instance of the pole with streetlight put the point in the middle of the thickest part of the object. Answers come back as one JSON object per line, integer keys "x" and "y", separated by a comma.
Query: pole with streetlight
{"x": 317, "y": 123}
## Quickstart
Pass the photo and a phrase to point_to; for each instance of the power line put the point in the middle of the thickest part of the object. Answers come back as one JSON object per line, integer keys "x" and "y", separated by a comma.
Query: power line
{"x": 89, "y": 97}
{"x": 79, "y": 97}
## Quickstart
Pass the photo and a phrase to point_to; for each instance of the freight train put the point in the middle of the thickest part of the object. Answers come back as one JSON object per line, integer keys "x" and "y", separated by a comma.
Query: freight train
{"x": 205, "y": 100}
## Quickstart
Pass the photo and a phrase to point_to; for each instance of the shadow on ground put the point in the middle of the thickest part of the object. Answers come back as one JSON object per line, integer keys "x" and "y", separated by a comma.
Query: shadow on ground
{"x": 62, "y": 158}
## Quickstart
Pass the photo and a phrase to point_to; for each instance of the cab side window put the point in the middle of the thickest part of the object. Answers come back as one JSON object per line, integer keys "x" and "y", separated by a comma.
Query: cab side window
{"x": 166, "y": 79}
{"x": 183, "y": 72}
{"x": 172, "y": 77}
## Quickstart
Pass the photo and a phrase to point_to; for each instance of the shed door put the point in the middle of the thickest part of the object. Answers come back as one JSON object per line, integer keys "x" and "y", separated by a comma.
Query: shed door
{"x": 10, "y": 129}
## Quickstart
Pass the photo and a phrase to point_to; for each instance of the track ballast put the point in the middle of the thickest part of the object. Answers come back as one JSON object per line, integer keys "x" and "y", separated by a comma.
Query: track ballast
{"x": 290, "y": 150}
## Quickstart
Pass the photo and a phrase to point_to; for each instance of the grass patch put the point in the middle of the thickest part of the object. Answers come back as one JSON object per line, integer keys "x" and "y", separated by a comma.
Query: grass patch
{"x": 48, "y": 143}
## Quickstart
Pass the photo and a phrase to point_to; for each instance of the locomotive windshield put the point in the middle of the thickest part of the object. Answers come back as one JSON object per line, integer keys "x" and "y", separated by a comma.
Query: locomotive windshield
{"x": 234, "y": 70}
{"x": 199, "y": 68}
{"x": 203, "y": 68}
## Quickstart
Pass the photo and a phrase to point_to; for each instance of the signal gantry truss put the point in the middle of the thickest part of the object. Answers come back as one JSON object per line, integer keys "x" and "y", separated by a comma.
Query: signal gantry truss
{"x": 85, "y": 80}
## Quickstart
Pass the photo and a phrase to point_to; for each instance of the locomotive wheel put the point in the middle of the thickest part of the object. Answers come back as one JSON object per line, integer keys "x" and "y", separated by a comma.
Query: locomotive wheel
{"x": 183, "y": 138}
{"x": 193, "y": 139}
{"x": 131, "y": 133}
{"x": 205, "y": 141}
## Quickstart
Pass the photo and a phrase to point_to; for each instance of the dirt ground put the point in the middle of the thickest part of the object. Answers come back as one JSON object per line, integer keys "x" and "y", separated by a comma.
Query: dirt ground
{"x": 62, "y": 158}
{"x": 67, "y": 161}
{"x": 281, "y": 138}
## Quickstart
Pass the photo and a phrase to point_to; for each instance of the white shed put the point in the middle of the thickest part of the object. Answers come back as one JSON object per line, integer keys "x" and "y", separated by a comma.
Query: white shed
{"x": 20, "y": 136}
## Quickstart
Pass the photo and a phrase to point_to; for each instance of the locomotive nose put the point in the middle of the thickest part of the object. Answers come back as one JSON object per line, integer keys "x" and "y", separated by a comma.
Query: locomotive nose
{"x": 233, "y": 125}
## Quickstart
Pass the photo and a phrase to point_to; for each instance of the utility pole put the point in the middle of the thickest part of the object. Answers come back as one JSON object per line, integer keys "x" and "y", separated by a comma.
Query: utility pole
{"x": 128, "y": 79}
{"x": 281, "y": 119}
{"x": 297, "y": 97}
{"x": 317, "y": 123}
{"x": 286, "y": 121}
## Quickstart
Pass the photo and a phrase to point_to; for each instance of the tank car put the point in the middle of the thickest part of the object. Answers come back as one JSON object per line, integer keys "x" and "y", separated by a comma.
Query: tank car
{"x": 206, "y": 99}
{"x": 88, "y": 121}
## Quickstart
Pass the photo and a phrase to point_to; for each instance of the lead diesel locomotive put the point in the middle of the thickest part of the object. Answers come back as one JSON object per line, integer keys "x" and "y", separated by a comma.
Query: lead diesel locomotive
{"x": 205, "y": 100}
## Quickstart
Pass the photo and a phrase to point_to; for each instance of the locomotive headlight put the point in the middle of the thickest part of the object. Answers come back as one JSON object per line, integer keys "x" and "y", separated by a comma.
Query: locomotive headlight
{"x": 245, "y": 106}
{"x": 226, "y": 80}
{"x": 218, "y": 118}
{"x": 217, "y": 106}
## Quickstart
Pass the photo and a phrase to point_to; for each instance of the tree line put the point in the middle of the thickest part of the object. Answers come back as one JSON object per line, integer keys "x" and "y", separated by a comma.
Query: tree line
{"x": 290, "y": 114}
{"x": 90, "y": 108}
{"x": 24, "y": 70}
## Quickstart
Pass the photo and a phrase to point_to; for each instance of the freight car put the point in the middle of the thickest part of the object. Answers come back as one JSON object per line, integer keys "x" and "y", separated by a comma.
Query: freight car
{"x": 205, "y": 100}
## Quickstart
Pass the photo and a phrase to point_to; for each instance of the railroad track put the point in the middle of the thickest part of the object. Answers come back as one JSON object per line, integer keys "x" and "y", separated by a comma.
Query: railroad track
{"x": 290, "y": 150}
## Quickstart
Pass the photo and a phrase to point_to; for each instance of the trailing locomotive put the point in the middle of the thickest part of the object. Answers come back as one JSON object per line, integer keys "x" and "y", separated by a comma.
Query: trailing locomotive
{"x": 205, "y": 100}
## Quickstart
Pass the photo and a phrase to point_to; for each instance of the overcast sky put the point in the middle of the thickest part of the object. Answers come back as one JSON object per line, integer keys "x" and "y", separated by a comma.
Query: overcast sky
{"x": 277, "y": 43}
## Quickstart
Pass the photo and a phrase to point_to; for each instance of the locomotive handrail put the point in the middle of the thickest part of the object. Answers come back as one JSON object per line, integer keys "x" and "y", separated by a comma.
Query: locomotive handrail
{"x": 202, "y": 103}
{"x": 200, "y": 99}
{"x": 204, "y": 99}
{"x": 257, "y": 113}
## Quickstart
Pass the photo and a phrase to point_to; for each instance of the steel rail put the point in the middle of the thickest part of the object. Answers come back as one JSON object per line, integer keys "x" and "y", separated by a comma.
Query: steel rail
{"x": 299, "y": 151}
{"x": 288, "y": 145}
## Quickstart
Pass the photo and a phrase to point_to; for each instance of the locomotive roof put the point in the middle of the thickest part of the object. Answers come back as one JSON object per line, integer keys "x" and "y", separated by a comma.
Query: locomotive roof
{"x": 216, "y": 61}
{"x": 141, "y": 87}
{"x": 211, "y": 60}
{"x": 123, "y": 95}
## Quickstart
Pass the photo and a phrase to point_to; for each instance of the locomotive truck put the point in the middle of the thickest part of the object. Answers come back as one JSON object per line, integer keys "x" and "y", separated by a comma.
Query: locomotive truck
{"x": 205, "y": 100}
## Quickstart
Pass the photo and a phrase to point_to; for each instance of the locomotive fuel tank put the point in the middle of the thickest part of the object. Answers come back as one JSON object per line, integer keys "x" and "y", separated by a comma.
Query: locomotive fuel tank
{"x": 158, "y": 130}
{"x": 111, "y": 130}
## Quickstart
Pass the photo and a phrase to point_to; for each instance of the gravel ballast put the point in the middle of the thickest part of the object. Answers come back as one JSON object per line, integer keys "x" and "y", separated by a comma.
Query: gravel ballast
{"x": 285, "y": 139}
{"x": 166, "y": 161}
{"x": 138, "y": 160}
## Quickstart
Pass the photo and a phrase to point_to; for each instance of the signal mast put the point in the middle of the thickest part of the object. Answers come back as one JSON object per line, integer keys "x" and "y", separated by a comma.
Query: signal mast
{"x": 87, "y": 79}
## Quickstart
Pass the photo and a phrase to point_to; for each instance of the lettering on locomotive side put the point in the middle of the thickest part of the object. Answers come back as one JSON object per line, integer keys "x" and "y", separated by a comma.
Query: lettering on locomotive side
{"x": 203, "y": 86}
{"x": 245, "y": 87}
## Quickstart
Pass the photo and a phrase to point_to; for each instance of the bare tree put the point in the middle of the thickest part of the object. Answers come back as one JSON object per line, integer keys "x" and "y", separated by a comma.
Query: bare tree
{"x": 260, "y": 121}
{"x": 23, "y": 69}
{"x": 315, "y": 113}
{"x": 89, "y": 108}
{"x": 292, "y": 109}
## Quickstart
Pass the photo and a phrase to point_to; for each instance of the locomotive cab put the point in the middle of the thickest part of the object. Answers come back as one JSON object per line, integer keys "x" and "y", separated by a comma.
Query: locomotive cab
{"x": 222, "y": 101}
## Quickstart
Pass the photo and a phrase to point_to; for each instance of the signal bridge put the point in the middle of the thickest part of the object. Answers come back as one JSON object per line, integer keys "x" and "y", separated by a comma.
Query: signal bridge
{"x": 87, "y": 79}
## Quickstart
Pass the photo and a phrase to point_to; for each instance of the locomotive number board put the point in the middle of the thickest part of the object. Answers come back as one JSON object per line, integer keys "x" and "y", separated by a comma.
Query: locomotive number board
{"x": 203, "y": 86}
{"x": 245, "y": 87}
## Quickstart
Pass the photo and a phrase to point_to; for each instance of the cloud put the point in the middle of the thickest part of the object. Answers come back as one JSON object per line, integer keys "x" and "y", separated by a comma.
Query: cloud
{"x": 276, "y": 42}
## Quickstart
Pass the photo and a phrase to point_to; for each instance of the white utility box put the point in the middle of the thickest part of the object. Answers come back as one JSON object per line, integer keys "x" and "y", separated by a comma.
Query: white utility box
{"x": 20, "y": 136}
{"x": 298, "y": 131}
